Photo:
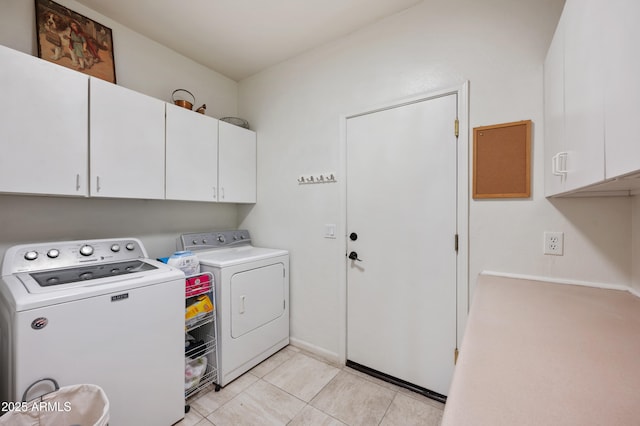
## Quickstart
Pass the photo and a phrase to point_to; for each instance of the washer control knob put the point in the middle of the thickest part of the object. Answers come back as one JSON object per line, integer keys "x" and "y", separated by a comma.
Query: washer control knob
{"x": 221, "y": 238}
{"x": 204, "y": 241}
{"x": 31, "y": 255}
{"x": 53, "y": 253}
{"x": 130, "y": 246}
{"x": 86, "y": 250}
{"x": 194, "y": 242}
{"x": 115, "y": 248}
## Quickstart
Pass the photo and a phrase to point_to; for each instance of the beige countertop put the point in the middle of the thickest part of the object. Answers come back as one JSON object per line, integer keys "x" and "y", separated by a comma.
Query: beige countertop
{"x": 538, "y": 353}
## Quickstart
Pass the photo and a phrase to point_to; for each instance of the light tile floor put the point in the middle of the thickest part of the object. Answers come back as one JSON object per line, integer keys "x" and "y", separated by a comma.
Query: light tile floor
{"x": 294, "y": 387}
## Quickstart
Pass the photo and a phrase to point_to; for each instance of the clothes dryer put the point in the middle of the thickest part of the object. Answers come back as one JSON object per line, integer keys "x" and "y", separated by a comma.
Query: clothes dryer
{"x": 252, "y": 292}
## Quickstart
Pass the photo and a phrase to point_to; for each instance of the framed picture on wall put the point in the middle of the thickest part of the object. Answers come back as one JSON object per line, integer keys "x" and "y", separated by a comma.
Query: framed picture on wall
{"x": 74, "y": 41}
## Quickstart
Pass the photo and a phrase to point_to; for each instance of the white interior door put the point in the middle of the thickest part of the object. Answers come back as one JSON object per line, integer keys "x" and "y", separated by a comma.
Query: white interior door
{"x": 401, "y": 203}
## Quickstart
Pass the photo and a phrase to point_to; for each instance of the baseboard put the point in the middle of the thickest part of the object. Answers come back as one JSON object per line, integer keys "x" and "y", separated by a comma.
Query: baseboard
{"x": 620, "y": 287}
{"x": 331, "y": 357}
{"x": 635, "y": 292}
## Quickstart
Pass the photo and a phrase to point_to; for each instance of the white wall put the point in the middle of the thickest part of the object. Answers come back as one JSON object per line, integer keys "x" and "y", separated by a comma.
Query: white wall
{"x": 157, "y": 223}
{"x": 499, "y": 46}
{"x": 144, "y": 66}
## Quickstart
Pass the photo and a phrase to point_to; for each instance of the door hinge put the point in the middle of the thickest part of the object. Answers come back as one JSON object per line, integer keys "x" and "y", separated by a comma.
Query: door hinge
{"x": 455, "y": 242}
{"x": 455, "y": 356}
{"x": 456, "y": 127}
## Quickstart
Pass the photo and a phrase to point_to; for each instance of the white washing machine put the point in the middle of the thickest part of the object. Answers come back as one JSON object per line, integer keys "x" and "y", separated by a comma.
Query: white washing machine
{"x": 96, "y": 312}
{"x": 252, "y": 292}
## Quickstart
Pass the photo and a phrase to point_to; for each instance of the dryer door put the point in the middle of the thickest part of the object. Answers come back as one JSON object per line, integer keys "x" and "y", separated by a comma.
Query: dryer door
{"x": 257, "y": 297}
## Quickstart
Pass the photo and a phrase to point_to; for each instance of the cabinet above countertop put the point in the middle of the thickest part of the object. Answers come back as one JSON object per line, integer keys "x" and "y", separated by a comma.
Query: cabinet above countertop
{"x": 591, "y": 95}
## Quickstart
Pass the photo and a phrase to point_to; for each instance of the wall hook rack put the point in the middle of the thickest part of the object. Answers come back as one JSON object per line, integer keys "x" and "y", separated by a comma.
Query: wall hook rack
{"x": 322, "y": 178}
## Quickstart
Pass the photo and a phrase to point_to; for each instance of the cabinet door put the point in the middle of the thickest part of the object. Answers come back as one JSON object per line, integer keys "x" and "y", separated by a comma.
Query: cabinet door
{"x": 43, "y": 127}
{"x": 622, "y": 86}
{"x": 554, "y": 114}
{"x": 127, "y": 143}
{"x": 192, "y": 155}
{"x": 584, "y": 92}
{"x": 236, "y": 164}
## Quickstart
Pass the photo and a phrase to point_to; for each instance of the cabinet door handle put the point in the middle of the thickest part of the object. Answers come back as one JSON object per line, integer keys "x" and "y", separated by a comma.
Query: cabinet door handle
{"x": 554, "y": 165}
{"x": 242, "y": 299}
{"x": 97, "y": 183}
{"x": 222, "y": 192}
{"x": 559, "y": 164}
{"x": 562, "y": 163}
{"x": 78, "y": 182}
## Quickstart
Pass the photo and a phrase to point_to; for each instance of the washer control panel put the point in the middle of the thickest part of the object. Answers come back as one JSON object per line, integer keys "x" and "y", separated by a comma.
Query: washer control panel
{"x": 214, "y": 239}
{"x": 65, "y": 254}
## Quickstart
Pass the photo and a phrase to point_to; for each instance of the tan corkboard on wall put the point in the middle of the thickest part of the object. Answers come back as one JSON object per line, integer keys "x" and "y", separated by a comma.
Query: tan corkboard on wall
{"x": 502, "y": 160}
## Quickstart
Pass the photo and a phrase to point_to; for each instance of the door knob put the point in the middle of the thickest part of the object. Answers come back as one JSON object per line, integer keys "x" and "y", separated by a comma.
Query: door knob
{"x": 354, "y": 256}
{"x": 353, "y": 236}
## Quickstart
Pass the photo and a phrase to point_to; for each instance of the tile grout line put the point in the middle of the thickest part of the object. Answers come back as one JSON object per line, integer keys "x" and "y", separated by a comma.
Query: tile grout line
{"x": 388, "y": 407}
{"x": 307, "y": 405}
{"x": 318, "y": 393}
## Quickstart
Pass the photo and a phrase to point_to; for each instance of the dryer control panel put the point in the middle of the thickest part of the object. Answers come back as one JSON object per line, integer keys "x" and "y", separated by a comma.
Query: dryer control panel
{"x": 214, "y": 239}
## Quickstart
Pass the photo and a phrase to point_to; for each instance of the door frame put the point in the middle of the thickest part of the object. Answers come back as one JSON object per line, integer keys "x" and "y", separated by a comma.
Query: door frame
{"x": 462, "y": 272}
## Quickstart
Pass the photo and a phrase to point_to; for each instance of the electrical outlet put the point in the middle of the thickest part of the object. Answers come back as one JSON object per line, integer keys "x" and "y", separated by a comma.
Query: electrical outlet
{"x": 554, "y": 243}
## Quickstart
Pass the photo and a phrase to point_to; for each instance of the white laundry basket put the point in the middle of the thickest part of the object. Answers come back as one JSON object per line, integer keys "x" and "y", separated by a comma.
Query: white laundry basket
{"x": 67, "y": 406}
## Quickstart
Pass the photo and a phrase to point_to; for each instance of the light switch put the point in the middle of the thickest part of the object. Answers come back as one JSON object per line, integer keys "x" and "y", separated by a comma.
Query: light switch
{"x": 330, "y": 230}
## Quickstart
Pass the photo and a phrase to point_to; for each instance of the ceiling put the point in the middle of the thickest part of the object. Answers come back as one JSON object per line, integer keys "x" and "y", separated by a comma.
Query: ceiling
{"x": 239, "y": 38}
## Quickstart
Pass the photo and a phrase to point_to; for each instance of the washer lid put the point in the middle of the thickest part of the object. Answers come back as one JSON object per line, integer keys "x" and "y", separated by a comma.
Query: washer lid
{"x": 22, "y": 292}
{"x": 237, "y": 255}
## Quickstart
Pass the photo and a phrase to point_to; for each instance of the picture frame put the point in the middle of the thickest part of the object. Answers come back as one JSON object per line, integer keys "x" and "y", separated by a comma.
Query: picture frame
{"x": 72, "y": 40}
{"x": 502, "y": 160}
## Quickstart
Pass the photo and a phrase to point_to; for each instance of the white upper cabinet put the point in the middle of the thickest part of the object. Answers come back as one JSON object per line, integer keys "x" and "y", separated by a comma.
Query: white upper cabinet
{"x": 583, "y": 93}
{"x": 192, "y": 155}
{"x": 43, "y": 127}
{"x": 592, "y": 149}
{"x": 622, "y": 86}
{"x": 127, "y": 143}
{"x": 65, "y": 133}
{"x": 236, "y": 164}
{"x": 554, "y": 146}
